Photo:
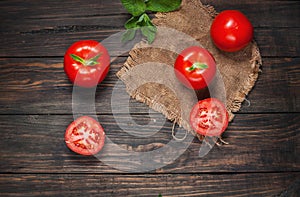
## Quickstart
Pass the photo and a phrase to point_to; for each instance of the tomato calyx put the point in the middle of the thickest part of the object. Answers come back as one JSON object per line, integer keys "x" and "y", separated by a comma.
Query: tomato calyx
{"x": 197, "y": 65}
{"x": 90, "y": 62}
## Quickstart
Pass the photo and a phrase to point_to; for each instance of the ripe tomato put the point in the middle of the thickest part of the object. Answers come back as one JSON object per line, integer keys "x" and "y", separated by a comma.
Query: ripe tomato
{"x": 209, "y": 117}
{"x": 85, "y": 136}
{"x": 86, "y": 63}
{"x": 231, "y": 31}
{"x": 195, "y": 67}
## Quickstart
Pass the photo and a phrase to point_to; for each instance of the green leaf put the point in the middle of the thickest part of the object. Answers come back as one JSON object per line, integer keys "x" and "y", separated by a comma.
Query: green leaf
{"x": 134, "y": 7}
{"x": 132, "y": 22}
{"x": 159, "y": 195}
{"x": 142, "y": 22}
{"x": 146, "y": 21}
{"x": 136, "y": 21}
{"x": 142, "y": 18}
{"x": 147, "y": 28}
{"x": 128, "y": 35}
{"x": 163, "y": 5}
{"x": 149, "y": 32}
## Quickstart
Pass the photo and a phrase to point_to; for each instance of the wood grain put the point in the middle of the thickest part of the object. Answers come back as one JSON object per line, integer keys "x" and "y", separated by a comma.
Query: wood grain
{"x": 31, "y": 15}
{"x": 233, "y": 185}
{"x": 27, "y": 31}
{"x": 262, "y": 158}
{"x": 272, "y": 42}
{"x": 40, "y": 86}
{"x": 263, "y": 13}
{"x": 258, "y": 143}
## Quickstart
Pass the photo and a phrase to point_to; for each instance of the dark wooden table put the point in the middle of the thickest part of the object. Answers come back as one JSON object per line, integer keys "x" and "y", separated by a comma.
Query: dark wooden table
{"x": 262, "y": 158}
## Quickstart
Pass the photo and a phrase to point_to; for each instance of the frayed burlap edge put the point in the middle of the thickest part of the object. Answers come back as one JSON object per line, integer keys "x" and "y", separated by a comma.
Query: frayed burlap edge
{"x": 255, "y": 61}
{"x": 241, "y": 94}
{"x": 232, "y": 107}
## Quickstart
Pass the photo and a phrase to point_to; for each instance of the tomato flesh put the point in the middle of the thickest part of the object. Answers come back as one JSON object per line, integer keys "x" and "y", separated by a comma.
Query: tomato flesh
{"x": 198, "y": 77}
{"x": 85, "y": 136}
{"x": 209, "y": 117}
{"x": 231, "y": 31}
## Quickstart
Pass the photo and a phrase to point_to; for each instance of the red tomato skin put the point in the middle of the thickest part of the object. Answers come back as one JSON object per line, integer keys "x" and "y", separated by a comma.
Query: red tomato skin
{"x": 86, "y": 76}
{"x": 90, "y": 121}
{"x": 231, "y": 31}
{"x": 195, "y": 79}
{"x": 208, "y": 104}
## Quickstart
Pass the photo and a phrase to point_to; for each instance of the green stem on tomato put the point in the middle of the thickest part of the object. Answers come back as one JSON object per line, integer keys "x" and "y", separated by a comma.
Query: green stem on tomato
{"x": 90, "y": 62}
{"x": 77, "y": 58}
{"x": 197, "y": 65}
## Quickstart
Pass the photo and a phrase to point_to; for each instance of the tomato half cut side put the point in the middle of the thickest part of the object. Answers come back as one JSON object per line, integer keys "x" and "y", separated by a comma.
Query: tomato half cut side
{"x": 85, "y": 136}
{"x": 209, "y": 117}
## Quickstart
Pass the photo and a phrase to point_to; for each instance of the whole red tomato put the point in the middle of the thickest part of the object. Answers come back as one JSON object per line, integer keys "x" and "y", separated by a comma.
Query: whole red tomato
{"x": 195, "y": 67}
{"x": 209, "y": 117}
{"x": 85, "y": 136}
{"x": 231, "y": 31}
{"x": 86, "y": 63}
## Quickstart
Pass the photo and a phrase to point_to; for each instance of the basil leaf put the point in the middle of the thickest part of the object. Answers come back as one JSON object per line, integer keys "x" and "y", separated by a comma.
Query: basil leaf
{"x": 134, "y": 7}
{"x": 147, "y": 28}
{"x": 137, "y": 21}
{"x": 132, "y": 22}
{"x": 142, "y": 22}
{"x": 163, "y": 5}
{"x": 142, "y": 18}
{"x": 128, "y": 35}
{"x": 149, "y": 32}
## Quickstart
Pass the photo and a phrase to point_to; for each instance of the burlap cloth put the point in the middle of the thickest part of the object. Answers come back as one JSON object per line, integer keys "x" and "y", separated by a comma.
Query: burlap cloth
{"x": 148, "y": 72}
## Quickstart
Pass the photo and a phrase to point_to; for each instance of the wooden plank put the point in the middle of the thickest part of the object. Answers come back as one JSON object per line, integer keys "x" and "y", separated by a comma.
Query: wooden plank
{"x": 277, "y": 43}
{"x": 27, "y": 31}
{"x": 263, "y": 13}
{"x": 54, "y": 9}
{"x": 282, "y": 42}
{"x": 42, "y": 88}
{"x": 60, "y": 24}
{"x": 275, "y": 184}
{"x": 18, "y": 15}
{"x": 33, "y": 141}
{"x": 258, "y": 143}
{"x": 278, "y": 84}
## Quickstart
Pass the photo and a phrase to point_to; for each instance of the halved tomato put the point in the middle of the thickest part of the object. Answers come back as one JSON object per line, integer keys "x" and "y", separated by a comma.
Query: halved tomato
{"x": 85, "y": 136}
{"x": 209, "y": 117}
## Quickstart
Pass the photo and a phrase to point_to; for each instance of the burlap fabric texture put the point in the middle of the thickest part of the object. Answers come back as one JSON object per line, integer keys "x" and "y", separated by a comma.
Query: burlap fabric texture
{"x": 148, "y": 72}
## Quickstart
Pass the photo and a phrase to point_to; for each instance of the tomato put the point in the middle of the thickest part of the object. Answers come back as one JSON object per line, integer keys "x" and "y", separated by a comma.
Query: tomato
{"x": 85, "y": 136}
{"x": 86, "y": 63}
{"x": 209, "y": 117}
{"x": 195, "y": 67}
{"x": 231, "y": 31}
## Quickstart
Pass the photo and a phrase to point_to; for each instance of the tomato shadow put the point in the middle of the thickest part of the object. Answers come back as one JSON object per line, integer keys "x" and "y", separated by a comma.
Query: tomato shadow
{"x": 202, "y": 93}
